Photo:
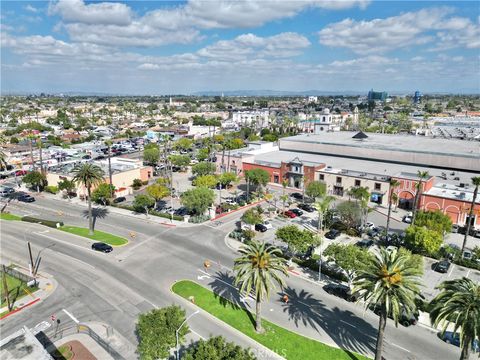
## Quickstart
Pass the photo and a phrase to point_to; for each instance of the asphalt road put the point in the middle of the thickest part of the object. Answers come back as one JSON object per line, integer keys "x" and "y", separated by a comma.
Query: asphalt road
{"x": 116, "y": 287}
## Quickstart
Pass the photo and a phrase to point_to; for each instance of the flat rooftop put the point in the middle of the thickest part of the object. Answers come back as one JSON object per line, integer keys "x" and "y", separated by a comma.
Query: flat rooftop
{"x": 453, "y": 192}
{"x": 23, "y": 345}
{"x": 372, "y": 167}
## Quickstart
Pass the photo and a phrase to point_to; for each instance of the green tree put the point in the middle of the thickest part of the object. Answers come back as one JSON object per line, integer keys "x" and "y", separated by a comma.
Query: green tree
{"x": 203, "y": 168}
{"x": 198, "y": 199}
{"x": 88, "y": 176}
{"x": 35, "y": 179}
{"x": 459, "y": 303}
{"x": 109, "y": 157}
{"x": 235, "y": 144}
{"x": 350, "y": 213}
{"x": 257, "y": 177}
{"x": 227, "y": 178}
{"x": 157, "y": 191}
{"x": 434, "y": 220}
{"x": 390, "y": 284}
{"x": 422, "y": 239}
{"x": 393, "y": 185}
{"x": 151, "y": 156}
{"x": 316, "y": 189}
{"x": 103, "y": 194}
{"x": 217, "y": 348}
{"x": 67, "y": 185}
{"x": 183, "y": 144}
{"x": 251, "y": 217}
{"x": 422, "y": 175}
{"x": 258, "y": 268}
{"x": 156, "y": 331}
{"x": 296, "y": 239}
{"x": 349, "y": 257}
{"x": 203, "y": 154}
{"x": 323, "y": 205}
{"x": 476, "y": 183}
{"x": 208, "y": 181}
{"x": 142, "y": 202}
{"x": 181, "y": 161}
{"x": 362, "y": 196}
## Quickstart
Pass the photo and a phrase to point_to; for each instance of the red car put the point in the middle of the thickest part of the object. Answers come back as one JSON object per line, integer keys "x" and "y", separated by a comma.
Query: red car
{"x": 290, "y": 214}
{"x": 20, "y": 172}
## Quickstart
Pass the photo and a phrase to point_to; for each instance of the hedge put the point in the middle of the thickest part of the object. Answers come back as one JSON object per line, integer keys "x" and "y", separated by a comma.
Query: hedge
{"x": 51, "y": 189}
{"x": 49, "y": 223}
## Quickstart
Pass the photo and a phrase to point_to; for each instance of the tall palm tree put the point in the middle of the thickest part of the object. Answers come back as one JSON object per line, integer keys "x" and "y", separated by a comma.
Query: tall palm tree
{"x": 458, "y": 302}
{"x": 40, "y": 152}
{"x": 109, "y": 157}
{"x": 476, "y": 182}
{"x": 88, "y": 175}
{"x": 322, "y": 205}
{"x": 258, "y": 268}
{"x": 393, "y": 184}
{"x": 389, "y": 283}
{"x": 422, "y": 175}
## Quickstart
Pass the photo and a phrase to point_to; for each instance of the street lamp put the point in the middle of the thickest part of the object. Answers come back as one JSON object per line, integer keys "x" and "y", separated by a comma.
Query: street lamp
{"x": 176, "y": 333}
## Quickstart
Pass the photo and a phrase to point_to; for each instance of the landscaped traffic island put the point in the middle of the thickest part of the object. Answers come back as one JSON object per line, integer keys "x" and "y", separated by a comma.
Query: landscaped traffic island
{"x": 107, "y": 238}
{"x": 285, "y": 342}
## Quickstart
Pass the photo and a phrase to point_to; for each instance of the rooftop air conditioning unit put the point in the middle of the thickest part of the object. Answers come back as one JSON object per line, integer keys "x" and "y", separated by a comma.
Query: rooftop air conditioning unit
{"x": 462, "y": 185}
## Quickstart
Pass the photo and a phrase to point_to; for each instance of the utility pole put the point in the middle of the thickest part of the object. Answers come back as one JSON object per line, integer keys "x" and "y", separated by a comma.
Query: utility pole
{"x": 32, "y": 265}
{"x": 5, "y": 288}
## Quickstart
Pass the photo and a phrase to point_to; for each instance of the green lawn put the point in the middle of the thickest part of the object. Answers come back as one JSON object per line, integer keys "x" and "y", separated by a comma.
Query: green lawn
{"x": 16, "y": 289}
{"x": 285, "y": 342}
{"x": 107, "y": 238}
{"x": 7, "y": 216}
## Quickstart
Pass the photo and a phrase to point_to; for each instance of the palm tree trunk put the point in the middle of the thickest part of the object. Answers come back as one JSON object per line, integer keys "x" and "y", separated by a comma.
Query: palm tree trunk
{"x": 381, "y": 333}
{"x": 258, "y": 316}
{"x": 470, "y": 214}
{"x": 41, "y": 155}
{"x": 110, "y": 171}
{"x": 415, "y": 203}
{"x": 90, "y": 220}
{"x": 465, "y": 354}
{"x": 31, "y": 153}
{"x": 388, "y": 215}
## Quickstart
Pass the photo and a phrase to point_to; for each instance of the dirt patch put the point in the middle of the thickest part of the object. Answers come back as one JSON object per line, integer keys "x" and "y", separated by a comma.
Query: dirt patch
{"x": 73, "y": 350}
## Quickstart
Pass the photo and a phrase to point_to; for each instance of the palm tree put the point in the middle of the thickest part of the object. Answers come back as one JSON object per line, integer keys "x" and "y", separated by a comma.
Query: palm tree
{"x": 458, "y": 302}
{"x": 389, "y": 283}
{"x": 88, "y": 175}
{"x": 422, "y": 175}
{"x": 322, "y": 205}
{"x": 258, "y": 269}
{"x": 476, "y": 182}
{"x": 109, "y": 156}
{"x": 393, "y": 184}
{"x": 40, "y": 152}
{"x": 362, "y": 195}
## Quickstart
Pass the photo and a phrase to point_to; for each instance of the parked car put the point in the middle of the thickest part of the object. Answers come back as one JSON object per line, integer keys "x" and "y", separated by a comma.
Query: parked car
{"x": 268, "y": 225}
{"x": 341, "y": 291}
{"x": 181, "y": 211}
{"x": 260, "y": 227}
{"x": 5, "y": 191}
{"x": 442, "y": 266}
{"x": 306, "y": 207}
{"x": 26, "y": 198}
{"x": 369, "y": 225}
{"x": 405, "y": 319}
{"x": 297, "y": 212}
{"x": 20, "y": 172}
{"x": 297, "y": 195}
{"x": 100, "y": 246}
{"x": 454, "y": 338}
{"x": 407, "y": 219}
{"x": 365, "y": 243}
{"x": 290, "y": 214}
{"x": 119, "y": 199}
{"x": 332, "y": 234}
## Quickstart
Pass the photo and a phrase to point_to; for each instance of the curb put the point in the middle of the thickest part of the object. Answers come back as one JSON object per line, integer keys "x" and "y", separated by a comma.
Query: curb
{"x": 20, "y": 308}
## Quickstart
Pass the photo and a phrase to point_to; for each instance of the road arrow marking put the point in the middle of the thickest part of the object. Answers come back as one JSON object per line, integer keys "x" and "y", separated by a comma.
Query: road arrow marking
{"x": 201, "y": 277}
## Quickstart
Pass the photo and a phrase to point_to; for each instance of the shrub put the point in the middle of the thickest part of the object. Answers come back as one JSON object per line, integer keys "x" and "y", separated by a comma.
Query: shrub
{"x": 137, "y": 184}
{"x": 166, "y": 215}
{"x": 198, "y": 219}
{"x": 51, "y": 189}
{"x": 339, "y": 226}
{"x": 236, "y": 234}
{"x": 145, "y": 182}
{"x": 352, "y": 232}
{"x": 49, "y": 223}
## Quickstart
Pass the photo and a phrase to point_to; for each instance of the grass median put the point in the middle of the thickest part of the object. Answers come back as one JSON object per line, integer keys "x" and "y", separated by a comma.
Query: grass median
{"x": 107, "y": 238}
{"x": 285, "y": 342}
{"x": 7, "y": 216}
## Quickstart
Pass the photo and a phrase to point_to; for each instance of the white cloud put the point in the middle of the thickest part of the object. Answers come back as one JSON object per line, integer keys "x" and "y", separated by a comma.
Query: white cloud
{"x": 408, "y": 29}
{"x": 148, "y": 66}
{"x": 31, "y": 8}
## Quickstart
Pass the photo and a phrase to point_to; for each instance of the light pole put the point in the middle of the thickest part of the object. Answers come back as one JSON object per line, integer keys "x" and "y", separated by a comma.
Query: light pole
{"x": 176, "y": 333}
{"x": 320, "y": 263}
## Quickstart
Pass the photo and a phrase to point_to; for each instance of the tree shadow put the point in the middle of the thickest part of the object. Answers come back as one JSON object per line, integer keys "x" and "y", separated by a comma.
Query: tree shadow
{"x": 345, "y": 328}
{"x": 97, "y": 213}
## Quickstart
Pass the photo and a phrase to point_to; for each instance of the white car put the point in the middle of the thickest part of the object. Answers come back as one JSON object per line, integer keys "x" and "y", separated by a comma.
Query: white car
{"x": 391, "y": 248}
{"x": 267, "y": 225}
{"x": 407, "y": 219}
{"x": 369, "y": 225}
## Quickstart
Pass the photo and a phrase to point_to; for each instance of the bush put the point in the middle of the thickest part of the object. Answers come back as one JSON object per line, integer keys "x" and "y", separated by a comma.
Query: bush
{"x": 137, "y": 184}
{"x": 312, "y": 264}
{"x": 166, "y": 215}
{"x": 197, "y": 219}
{"x": 145, "y": 182}
{"x": 352, "y": 232}
{"x": 51, "y": 189}
{"x": 49, "y": 223}
{"x": 236, "y": 234}
{"x": 339, "y": 226}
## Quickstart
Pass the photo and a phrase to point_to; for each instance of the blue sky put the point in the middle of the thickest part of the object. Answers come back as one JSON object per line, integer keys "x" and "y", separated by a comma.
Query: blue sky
{"x": 160, "y": 47}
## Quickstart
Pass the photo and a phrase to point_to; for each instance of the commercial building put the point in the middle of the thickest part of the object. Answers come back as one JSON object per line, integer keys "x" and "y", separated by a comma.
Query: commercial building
{"x": 23, "y": 345}
{"x": 377, "y": 95}
{"x": 260, "y": 118}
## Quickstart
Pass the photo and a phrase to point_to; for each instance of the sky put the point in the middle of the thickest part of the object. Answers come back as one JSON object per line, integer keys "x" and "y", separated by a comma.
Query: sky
{"x": 171, "y": 47}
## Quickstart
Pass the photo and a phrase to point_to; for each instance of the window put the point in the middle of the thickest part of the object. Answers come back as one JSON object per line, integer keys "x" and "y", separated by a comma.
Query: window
{"x": 339, "y": 179}
{"x": 378, "y": 186}
{"x": 275, "y": 179}
{"x": 357, "y": 183}
{"x": 321, "y": 177}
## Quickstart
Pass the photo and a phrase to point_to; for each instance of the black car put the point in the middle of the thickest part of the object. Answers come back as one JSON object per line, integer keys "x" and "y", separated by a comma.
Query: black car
{"x": 405, "y": 319}
{"x": 100, "y": 246}
{"x": 182, "y": 211}
{"x": 26, "y": 198}
{"x": 332, "y": 234}
{"x": 306, "y": 207}
{"x": 119, "y": 199}
{"x": 442, "y": 266}
{"x": 340, "y": 291}
{"x": 297, "y": 212}
{"x": 260, "y": 227}
{"x": 297, "y": 195}
{"x": 365, "y": 243}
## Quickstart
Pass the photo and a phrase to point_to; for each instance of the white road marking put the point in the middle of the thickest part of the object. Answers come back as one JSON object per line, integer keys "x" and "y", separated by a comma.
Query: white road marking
{"x": 468, "y": 273}
{"x": 398, "y": 346}
{"x": 450, "y": 273}
{"x": 201, "y": 277}
{"x": 71, "y": 316}
{"x": 44, "y": 325}
{"x": 200, "y": 336}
